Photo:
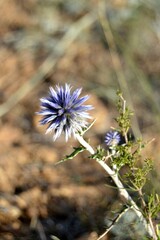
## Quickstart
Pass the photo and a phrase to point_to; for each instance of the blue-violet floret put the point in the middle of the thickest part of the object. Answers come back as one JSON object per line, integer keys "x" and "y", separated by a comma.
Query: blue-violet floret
{"x": 112, "y": 138}
{"x": 64, "y": 111}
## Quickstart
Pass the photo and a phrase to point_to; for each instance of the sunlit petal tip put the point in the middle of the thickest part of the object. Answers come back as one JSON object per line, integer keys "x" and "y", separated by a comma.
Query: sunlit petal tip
{"x": 64, "y": 111}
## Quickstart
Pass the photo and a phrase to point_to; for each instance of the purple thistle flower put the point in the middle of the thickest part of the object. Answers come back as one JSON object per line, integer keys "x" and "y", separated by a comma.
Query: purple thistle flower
{"x": 112, "y": 138}
{"x": 64, "y": 111}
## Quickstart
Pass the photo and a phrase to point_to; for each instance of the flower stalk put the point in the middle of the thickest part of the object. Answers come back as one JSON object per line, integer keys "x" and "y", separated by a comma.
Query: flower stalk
{"x": 122, "y": 191}
{"x": 64, "y": 112}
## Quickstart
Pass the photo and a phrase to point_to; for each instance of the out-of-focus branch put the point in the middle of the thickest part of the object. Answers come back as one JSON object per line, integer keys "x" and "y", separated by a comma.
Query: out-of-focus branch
{"x": 116, "y": 61}
{"x": 48, "y": 65}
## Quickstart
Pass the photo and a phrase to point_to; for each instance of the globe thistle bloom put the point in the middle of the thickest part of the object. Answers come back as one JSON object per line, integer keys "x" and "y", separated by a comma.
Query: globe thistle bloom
{"x": 112, "y": 138}
{"x": 64, "y": 111}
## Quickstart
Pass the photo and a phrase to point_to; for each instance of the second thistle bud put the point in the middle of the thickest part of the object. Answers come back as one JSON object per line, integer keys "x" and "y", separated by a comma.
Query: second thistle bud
{"x": 112, "y": 138}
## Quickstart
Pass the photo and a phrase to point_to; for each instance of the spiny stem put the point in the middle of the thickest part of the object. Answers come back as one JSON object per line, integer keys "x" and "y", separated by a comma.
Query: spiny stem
{"x": 113, "y": 223}
{"x": 123, "y": 192}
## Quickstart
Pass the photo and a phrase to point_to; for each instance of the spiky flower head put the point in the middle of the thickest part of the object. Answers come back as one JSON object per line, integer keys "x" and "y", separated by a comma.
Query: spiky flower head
{"x": 112, "y": 138}
{"x": 64, "y": 111}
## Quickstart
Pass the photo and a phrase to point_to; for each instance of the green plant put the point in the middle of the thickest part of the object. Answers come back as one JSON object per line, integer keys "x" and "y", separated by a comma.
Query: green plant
{"x": 64, "y": 112}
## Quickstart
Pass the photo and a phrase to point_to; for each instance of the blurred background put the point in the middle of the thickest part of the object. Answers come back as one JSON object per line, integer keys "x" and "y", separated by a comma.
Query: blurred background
{"x": 101, "y": 46}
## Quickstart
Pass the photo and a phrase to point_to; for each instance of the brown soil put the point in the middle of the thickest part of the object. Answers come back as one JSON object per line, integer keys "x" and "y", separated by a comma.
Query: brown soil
{"x": 38, "y": 199}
